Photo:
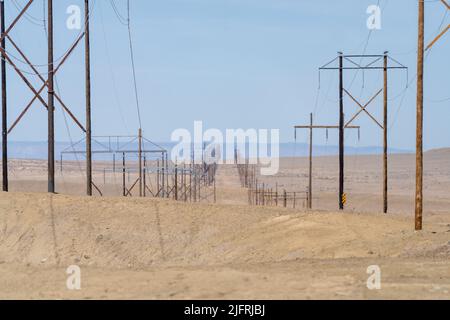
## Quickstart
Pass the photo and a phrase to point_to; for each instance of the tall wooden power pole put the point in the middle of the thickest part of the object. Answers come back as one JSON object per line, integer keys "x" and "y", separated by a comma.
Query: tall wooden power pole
{"x": 88, "y": 101}
{"x": 341, "y": 132}
{"x": 50, "y": 103}
{"x": 419, "y": 129}
{"x": 4, "y": 104}
{"x": 385, "y": 134}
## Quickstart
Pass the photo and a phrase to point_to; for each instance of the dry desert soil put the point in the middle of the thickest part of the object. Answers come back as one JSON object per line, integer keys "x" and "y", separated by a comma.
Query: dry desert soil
{"x": 147, "y": 248}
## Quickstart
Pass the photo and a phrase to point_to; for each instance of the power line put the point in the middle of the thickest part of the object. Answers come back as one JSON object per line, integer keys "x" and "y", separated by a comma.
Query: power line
{"x": 44, "y": 65}
{"x": 123, "y": 20}
{"x": 27, "y": 16}
{"x": 133, "y": 63}
{"x": 415, "y": 76}
{"x": 111, "y": 70}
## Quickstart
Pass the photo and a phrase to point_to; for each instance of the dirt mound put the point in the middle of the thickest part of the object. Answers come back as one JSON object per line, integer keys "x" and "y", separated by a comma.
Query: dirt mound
{"x": 444, "y": 153}
{"x": 41, "y": 229}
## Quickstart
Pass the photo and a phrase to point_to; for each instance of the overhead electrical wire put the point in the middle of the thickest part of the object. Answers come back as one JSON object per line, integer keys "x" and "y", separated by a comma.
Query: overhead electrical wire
{"x": 111, "y": 70}
{"x": 27, "y": 15}
{"x": 44, "y": 65}
{"x": 364, "y": 52}
{"x": 415, "y": 77}
{"x": 136, "y": 94}
{"x": 123, "y": 20}
{"x": 126, "y": 21}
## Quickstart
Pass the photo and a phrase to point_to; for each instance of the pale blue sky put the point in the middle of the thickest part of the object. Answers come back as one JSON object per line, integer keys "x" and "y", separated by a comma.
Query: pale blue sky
{"x": 236, "y": 64}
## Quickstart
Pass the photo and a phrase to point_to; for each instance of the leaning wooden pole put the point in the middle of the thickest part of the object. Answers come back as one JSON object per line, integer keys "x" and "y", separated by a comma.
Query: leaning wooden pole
{"x": 341, "y": 131}
{"x": 4, "y": 104}
{"x": 88, "y": 101}
{"x": 419, "y": 129}
{"x": 385, "y": 135}
{"x": 51, "y": 103}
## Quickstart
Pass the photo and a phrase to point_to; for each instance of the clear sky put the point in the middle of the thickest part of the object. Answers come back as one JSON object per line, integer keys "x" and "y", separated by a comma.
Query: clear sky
{"x": 235, "y": 64}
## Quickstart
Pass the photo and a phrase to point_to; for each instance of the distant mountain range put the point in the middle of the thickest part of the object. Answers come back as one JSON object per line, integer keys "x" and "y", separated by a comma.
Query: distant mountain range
{"x": 38, "y": 150}
{"x": 302, "y": 150}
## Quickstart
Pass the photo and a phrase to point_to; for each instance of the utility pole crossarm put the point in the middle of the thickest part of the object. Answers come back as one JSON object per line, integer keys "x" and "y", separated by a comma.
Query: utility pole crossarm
{"x": 369, "y": 65}
{"x": 325, "y": 127}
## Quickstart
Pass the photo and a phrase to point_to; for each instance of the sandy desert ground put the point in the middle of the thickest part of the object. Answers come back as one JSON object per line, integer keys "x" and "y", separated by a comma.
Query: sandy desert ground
{"x": 131, "y": 248}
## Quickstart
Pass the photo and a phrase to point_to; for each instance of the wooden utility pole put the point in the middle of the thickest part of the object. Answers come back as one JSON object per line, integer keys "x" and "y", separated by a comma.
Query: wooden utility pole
{"x": 190, "y": 182}
{"x": 51, "y": 103}
{"x": 176, "y": 181}
{"x": 144, "y": 174}
{"x": 158, "y": 176}
{"x": 167, "y": 174}
{"x": 419, "y": 129}
{"x": 124, "y": 191}
{"x": 88, "y": 101}
{"x": 140, "y": 161}
{"x": 195, "y": 181}
{"x": 4, "y": 103}
{"x": 311, "y": 127}
{"x": 215, "y": 195}
{"x": 385, "y": 135}
{"x": 341, "y": 131}
{"x": 163, "y": 195}
{"x": 310, "y": 162}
